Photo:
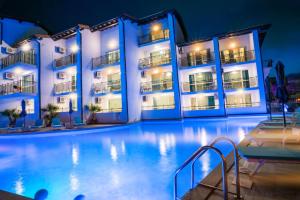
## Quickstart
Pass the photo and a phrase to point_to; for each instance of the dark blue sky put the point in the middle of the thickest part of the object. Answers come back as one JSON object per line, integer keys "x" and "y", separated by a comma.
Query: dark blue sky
{"x": 201, "y": 18}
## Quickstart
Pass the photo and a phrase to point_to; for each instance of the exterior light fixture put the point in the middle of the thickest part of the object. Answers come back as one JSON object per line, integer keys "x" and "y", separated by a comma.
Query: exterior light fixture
{"x": 197, "y": 49}
{"x": 156, "y": 27}
{"x": 156, "y": 71}
{"x": 26, "y": 47}
{"x": 18, "y": 71}
{"x": 112, "y": 44}
{"x": 74, "y": 48}
{"x": 232, "y": 45}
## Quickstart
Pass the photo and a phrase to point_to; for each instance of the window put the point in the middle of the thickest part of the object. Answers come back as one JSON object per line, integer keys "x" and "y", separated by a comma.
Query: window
{"x": 203, "y": 103}
{"x": 113, "y": 56}
{"x": 239, "y": 100}
{"x": 113, "y": 81}
{"x": 198, "y": 57}
{"x": 201, "y": 81}
{"x": 236, "y": 79}
{"x": 233, "y": 55}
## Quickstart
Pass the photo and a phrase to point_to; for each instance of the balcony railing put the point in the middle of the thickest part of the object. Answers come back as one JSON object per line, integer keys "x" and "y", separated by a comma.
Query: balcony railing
{"x": 206, "y": 107}
{"x": 110, "y": 110}
{"x": 27, "y": 57}
{"x": 152, "y": 37}
{"x": 106, "y": 60}
{"x": 66, "y": 108}
{"x": 65, "y": 87}
{"x": 240, "y": 83}
{"x": 65, "y": 61}
{"x": 156, "y": 86}
{"x": 238, "y": 57}
{"x": 106, "y": 87}
{"x": 159, "y": 107}
{"x": 241, "y": 105}
{"x": 20, "y": 86}
{"x": 198, "y": 86}
{"x": 186, "y": 61}
{"x": 154, "y": 61}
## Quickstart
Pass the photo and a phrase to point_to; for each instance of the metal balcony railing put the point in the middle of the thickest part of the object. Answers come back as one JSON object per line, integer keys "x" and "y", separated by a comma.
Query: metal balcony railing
{"x": 152, "y": 37}
{"x": 187, "y": 61}
{"x": 20, "y": 86}
{"x": 240, "y": 83}
{"x": 108, "y": 59}
{"x": 65, "y": 61}
{"x": 156, "y": 86}
{"x": 158, "y": 107}
{"x": 206, "y": 107}
{"x": 110, "y": 110}
{"x": 28, "y": 57}
{"x": 242, "y": 105}
{"x": 238, "y": 57}
{"x": 106, "y": 87}
{"x": 198, "y": 86}
{"x": 65, "y": 87}
{"x": 154, "y": 61}
{"x": 66, "y": 108}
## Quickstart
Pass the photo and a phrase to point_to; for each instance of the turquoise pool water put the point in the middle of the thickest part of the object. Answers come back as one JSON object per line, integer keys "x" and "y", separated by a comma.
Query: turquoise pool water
{"x": 129, "y": 162}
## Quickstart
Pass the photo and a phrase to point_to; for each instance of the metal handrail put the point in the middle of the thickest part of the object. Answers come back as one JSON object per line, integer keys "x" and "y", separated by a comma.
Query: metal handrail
{"x": 236, "y": 163}
{"x": 201, "y": 151}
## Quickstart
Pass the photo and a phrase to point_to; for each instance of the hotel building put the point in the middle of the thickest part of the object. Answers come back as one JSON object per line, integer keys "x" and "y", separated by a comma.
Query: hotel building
{"x": 133, "y": 69}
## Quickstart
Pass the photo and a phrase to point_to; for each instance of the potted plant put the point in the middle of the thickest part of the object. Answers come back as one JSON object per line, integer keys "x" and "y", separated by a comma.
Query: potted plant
{"x": 49, "y": 112}
{"x": 93, "y": 109}
{"x": 12, "y": 115}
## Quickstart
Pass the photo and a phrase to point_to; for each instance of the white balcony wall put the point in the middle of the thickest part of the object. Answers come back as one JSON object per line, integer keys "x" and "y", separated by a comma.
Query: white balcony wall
{"x": 90, "y": 49}
{"x": 245, "y": 40}
{"x": 109, "y": 40}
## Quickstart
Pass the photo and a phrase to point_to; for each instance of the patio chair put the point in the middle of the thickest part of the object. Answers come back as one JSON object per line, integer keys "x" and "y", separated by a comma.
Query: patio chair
{"x": 78, "y": 122}
{"x": 281, "y": 148}
{"x": 56, "y": 123}
{"x": 39, "y": 123}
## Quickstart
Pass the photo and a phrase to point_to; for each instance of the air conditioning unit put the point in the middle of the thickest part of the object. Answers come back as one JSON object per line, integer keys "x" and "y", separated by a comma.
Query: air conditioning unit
{"x": 60, "y": 50}
{"x": 61, "y": 75}
{"x": 8, "y": 50}
{"x": 98, "y": 100}
{"x": 98, "y": 74}
{"x": 145, "y": 98}
{"x": 9, "y": 76}
{"x": 61, "y": 99}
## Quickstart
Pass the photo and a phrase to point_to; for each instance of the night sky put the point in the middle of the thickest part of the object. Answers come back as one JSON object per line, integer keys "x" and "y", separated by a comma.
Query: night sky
{"x": 201, "y": 18}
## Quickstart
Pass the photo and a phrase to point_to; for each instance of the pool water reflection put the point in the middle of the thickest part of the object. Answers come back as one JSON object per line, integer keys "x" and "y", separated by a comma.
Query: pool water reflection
{"x": 131, "y": 162}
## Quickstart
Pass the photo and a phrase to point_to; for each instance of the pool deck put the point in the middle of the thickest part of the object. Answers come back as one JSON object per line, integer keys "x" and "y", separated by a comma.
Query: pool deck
{"x": 276, "y": 181}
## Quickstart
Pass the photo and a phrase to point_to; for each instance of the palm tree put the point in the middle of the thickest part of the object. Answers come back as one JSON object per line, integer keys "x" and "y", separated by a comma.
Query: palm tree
{"x": 12, "y": 115}
{"x": 50, "y": 112}
{"x": 93, "y": 109}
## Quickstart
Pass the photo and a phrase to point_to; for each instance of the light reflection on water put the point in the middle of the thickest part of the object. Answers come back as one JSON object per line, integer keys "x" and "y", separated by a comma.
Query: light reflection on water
{"x": 134, "y": 162}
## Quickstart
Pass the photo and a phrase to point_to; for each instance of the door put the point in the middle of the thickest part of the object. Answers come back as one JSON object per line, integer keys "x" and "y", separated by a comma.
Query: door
{"x": 27, "y": 84}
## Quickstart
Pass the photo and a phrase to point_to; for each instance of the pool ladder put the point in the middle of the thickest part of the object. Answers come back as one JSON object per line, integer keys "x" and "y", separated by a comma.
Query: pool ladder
{"x": 201, "y": 151}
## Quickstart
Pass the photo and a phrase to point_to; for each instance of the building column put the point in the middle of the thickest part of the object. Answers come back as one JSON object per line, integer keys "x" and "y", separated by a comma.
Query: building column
{"x": 219, "y": 73}
{"x": 122, "y": 46}
{"x": 79, "y": 73}
{"x": 175, "y": 72}
{"x": 259, "y": 68}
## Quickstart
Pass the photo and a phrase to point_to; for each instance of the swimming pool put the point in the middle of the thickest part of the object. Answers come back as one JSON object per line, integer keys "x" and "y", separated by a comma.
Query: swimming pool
{"x": 129, "y": 162}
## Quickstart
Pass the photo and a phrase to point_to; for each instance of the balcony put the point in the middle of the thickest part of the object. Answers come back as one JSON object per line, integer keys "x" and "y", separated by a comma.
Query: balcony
{"x": 231, "y": 58}
{"x": 240, "y": 83}
{"x": 153, "y": 86}
{"x": 206, "y": 107}
{"x": 65, "y": 61}
{"x": 242, "y": 105}
{"x": 153, "y": 37}
{"x": 28, "y": 57}
{"x": 155, "y": 61}
{"x": 107, "y": 87}
{"x": 110, "y": 110}
{"x": 65, "y": 87}
{"x": 158, "y": 107}
{"x": 189, "y": 61}
{"x": 16, "y": 87}
{"x": 109, "y": 59}
{"x": 198, "y": 86}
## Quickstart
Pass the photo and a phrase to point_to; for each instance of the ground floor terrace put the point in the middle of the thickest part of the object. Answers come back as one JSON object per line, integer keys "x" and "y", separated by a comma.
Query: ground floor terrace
{"x": 136, "y": 161}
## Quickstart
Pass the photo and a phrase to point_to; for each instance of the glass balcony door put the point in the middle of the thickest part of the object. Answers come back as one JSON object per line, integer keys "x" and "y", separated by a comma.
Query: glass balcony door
{"x": 238, "y": 100}
{"x": 200, "y": 81}
{"x": 161, "y": 81}
{"x": 198, "y": 57}
{"x": 113, "y": 56}
{"x": 236, "y": 79}
{"x": 163, "y": 102}
{"x": 203, "y": 103}
{"x": 28, "y": 84}
{"x": 115, "y": 104}
{"x": 233, "y": 55}
{"x": 113, "y": 81}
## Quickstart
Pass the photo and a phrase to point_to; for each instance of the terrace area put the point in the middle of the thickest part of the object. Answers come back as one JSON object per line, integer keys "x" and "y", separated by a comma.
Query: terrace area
{"x": 21, "y": 57}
